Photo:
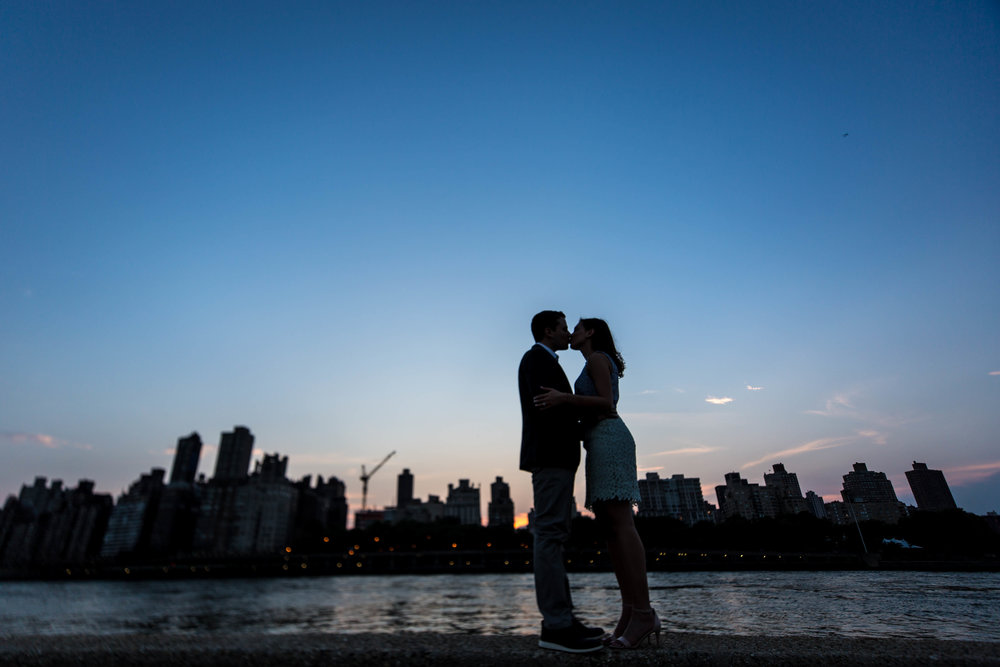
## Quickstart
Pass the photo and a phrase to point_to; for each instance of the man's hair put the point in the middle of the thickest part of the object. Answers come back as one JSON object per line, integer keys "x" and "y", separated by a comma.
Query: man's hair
{"x": 547, "y": 319}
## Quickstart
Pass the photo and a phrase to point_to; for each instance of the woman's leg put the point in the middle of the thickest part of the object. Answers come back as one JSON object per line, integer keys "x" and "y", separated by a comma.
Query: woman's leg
{"x": 628, "y": 556}
{"x": 604, "y": 525}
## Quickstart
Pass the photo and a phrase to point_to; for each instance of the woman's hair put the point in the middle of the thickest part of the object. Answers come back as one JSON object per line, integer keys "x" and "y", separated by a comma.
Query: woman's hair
{"x": 603, "y": 341}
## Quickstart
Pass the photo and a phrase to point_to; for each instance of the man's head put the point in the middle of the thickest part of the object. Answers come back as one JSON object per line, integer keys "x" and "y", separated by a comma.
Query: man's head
{"x": 549, "y": 328}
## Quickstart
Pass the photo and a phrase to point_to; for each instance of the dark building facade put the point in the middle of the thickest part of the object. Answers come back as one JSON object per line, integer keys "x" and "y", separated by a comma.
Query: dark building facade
{"x": 463, "y": 503}
{"x": 868, "y": 496}
{"x": 815, "y": 505}
{"x": 186, "y": 460}
{"x": 221, "y": 498}
{"x": 501, "y": 507}
{"x": 177, "y": 514}
{"x": 322, "y": 510}
{"x": 132, "y": 519}
{"x": 51, "y": 525}
{"x": 678, "y": 497}
{"x": 738, "y": 497}
{"x": 404, "y": 488}
{"x": 233, "y": 459}
{"x": 785, "y": 487}
{"x": 930, "y": 489}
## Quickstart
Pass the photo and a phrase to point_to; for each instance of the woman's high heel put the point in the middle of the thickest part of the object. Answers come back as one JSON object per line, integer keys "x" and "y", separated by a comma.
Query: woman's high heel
{"x": 623, "y": 622}
{"x": 653, "y": 629}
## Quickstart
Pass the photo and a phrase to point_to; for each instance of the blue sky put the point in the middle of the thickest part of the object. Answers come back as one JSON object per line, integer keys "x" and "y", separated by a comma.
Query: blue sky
{"x": 332, "y": 223}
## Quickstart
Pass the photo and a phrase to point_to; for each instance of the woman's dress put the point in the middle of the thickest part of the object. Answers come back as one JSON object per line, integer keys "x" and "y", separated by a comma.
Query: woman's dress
{"x": 610, "y": 466}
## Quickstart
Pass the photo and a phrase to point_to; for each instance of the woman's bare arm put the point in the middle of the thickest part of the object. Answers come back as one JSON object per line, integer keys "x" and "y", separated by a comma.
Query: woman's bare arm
{"x": 599, "y": 369}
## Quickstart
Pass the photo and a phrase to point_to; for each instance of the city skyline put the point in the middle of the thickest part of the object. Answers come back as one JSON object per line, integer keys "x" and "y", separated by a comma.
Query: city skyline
{"x": 333, "y": 222}
{"x": 230, "y": 466}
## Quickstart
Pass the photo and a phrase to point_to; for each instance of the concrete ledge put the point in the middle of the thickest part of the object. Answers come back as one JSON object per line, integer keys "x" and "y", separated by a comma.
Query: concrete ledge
{"x": 416, "y": 649}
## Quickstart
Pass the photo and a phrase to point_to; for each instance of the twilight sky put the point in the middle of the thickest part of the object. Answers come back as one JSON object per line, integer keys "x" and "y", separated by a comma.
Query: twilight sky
{"x": 332, "y": 223}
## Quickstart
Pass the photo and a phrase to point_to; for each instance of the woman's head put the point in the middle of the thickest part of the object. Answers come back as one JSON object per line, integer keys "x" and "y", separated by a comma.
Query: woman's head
{"x": 598, "y": 333}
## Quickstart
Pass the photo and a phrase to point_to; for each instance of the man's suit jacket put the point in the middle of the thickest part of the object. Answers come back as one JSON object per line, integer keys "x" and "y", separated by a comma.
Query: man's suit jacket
{"x": 549, "y": 438}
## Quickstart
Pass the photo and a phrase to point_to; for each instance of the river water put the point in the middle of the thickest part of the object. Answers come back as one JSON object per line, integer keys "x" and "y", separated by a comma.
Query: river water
{"x": 959, "y": 606}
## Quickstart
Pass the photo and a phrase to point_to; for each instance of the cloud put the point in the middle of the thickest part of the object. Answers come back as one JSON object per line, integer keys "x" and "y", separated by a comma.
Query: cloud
{"x": 994, "y": 372}
{"x": 753, "y": 388}
{"x": 875, "y": 436}
{"x": 970, "y": 474}
{"x": 838, "y": 406}
{"x": 686, "y": 450}
{"x": 649, "y": 468}
{"x": 842, "y": 406}
{"x": 647, "y": 392}
{"x": 811, "y": 446}
{"x": 41, "y": 440}
{"x": 718, "y": 401}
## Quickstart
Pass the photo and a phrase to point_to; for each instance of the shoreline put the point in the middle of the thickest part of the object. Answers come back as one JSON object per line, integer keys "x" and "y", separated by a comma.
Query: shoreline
{"x": 471, "y": 562}
{"x": 404, "y": 648}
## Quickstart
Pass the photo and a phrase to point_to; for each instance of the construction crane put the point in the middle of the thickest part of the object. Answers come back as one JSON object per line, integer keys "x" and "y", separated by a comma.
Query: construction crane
{"x": 365, "y": 476}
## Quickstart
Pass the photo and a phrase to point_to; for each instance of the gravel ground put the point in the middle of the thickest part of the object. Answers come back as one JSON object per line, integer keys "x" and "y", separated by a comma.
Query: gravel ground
{"x": 293, "y": 650}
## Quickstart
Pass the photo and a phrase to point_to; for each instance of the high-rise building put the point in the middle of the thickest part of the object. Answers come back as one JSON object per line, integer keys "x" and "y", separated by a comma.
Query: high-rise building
{"x": 186, "y": 460}
{"x": 785, "y": 486}
{"x": 678, "y": 497}
{"x": 740, "y": 498}
{"x": 221, "y": 499}
{"x": 233, "y": 460}
{"x": 176, "y": 516}
{"x": 867, "y": 486}
{"x": 815, "y": 505}
{"x": 131, "y": 523}
{"x": 54, "y": 525}
{"x": 501, "y": 507}
{"x": 174, "y": 522}
{"x": 930, "y": 489}
{"x": 404, "y": 488}
{"x": 869, "y": 496}
{"x": 253, "y": 515}
{"x": 464, "y": 503}
{"x": 265, "y": 509}
{"x": 272, "y": 468}
{"x": 322, "y": 511}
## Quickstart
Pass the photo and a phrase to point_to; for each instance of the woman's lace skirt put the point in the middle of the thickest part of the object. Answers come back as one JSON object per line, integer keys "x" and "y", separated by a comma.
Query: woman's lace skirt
{"x": 611, "y": 471}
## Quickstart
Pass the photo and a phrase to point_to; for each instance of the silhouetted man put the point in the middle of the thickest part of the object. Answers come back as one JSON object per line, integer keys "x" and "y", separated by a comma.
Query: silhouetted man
{"x": 550, "y": 451}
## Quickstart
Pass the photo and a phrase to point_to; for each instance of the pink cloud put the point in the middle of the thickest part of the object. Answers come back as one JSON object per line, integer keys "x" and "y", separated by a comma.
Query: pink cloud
{"x": 811, "y": 446}
{"x": 40, "y": 440}
{"x": 971, "y": 474}
{"x": 686, "y": 450}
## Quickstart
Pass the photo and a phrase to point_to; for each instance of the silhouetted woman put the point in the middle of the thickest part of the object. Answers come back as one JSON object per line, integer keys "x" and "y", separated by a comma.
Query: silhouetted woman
{"x": 612, "y": 488}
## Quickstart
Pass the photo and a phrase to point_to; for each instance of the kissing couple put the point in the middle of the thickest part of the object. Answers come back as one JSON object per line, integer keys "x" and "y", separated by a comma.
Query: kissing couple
{"x": 554, "y": 420}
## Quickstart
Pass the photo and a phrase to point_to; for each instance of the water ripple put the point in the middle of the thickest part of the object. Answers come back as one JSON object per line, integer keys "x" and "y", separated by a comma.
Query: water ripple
{"x": 850, "y": 604}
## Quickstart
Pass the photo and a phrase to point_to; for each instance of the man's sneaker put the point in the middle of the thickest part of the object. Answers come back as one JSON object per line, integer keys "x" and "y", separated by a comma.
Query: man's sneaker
{"x": 586, "y": 630}
{"x": 570, "y": 640}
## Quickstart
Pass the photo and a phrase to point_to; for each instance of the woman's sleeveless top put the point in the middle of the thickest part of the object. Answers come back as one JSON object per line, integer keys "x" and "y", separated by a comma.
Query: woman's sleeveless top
{"x": 584, "y": 385}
